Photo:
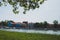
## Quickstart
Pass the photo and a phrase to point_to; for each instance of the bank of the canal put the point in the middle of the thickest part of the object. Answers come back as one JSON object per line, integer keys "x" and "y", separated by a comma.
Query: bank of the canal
{"x": 7, "y": 35}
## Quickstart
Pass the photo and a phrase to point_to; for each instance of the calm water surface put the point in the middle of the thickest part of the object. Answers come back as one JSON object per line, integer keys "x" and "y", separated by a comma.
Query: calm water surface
{"x": 34, "y": 31}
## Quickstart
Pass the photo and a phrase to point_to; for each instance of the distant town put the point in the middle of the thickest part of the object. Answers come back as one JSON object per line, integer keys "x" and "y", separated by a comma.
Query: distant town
{"x": 25, "y": 25}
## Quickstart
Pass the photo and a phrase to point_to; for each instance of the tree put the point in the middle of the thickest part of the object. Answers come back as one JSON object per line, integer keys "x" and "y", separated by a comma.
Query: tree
{"x": 55, "y": 23}
{"x": 41, "y": 24}
{"x": 36, "y": 25}
{"x": 26, "y": 4}
{"x": 45, "y": 24}
{"x": 3, "y": 23}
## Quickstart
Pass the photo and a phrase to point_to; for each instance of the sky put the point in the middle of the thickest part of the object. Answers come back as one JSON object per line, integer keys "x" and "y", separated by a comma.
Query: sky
{"x": 48, "y": 11}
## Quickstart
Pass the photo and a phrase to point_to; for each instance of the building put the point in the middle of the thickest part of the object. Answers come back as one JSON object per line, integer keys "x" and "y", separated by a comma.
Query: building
{"x": 31, "y": 25}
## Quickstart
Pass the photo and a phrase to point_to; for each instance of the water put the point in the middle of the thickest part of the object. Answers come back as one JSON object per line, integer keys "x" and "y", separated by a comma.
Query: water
{"x": 34, "y": 31}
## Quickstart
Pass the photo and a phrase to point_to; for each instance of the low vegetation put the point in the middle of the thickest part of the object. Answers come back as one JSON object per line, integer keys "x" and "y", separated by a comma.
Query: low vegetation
{"x": 4, "y": 35}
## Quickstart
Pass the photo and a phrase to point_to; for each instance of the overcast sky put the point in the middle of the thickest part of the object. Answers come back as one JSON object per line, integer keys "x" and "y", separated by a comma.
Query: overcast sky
{"x": 48, "y": 11}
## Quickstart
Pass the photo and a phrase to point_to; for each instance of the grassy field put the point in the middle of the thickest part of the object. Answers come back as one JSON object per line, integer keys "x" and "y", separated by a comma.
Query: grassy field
{"x": 4, "y": 35}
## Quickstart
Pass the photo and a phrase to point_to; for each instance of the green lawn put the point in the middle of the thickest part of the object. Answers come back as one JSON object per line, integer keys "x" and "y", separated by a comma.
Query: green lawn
{"x": 4, "y": 35}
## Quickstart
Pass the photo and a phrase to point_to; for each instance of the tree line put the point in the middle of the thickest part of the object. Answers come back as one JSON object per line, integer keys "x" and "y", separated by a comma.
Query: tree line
{"x": 44, "y": 24}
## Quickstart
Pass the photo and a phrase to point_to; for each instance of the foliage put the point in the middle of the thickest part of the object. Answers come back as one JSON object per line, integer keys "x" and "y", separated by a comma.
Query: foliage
{"x": 26, "y": 4}
{"x": 55, "y": 23}
{"x": 41, "y": 24}
{"x": 45, "y": 24}
{"x": 5, "y": 23}
{"x": 37, "y": 25}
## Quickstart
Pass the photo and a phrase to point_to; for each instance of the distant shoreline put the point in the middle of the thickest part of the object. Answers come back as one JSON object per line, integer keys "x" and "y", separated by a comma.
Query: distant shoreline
{"x": 54, "y": 29}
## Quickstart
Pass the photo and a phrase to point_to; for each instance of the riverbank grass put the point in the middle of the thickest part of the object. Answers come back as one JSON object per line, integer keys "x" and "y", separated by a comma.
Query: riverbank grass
{"x": 5, "y": 35}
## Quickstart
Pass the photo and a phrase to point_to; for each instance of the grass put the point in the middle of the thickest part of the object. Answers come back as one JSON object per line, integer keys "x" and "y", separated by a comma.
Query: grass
{"x": 4, "y": 35}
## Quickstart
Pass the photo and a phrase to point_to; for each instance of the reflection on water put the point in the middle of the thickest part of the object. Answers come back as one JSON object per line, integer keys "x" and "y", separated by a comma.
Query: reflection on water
{"x": 34, "y": 31}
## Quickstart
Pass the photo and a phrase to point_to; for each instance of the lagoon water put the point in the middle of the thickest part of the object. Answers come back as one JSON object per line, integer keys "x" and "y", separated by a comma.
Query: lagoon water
{"x": 34, "y": 31}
